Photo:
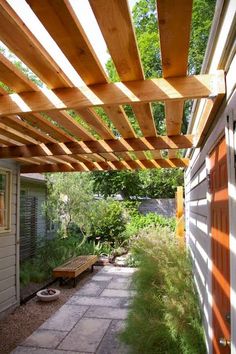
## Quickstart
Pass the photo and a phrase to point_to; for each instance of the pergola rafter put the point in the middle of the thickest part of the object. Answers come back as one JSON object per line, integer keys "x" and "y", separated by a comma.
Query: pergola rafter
{"x": 57, "y": 128}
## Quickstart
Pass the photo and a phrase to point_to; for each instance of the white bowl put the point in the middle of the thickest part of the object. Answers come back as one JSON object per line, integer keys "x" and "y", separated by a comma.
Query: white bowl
{"x": 43, "y": 297}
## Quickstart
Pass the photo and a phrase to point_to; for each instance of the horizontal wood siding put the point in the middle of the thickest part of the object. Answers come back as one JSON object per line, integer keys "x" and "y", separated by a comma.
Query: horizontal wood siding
{"x": 197, "y": 204}
{"x": 8, "y": 250}
{"x": 196, "y": 188}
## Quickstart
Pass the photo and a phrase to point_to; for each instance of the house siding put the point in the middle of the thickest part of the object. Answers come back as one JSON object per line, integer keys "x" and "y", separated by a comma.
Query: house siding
{"x": 9, "y": 252}
{"x": 197, "y": 202}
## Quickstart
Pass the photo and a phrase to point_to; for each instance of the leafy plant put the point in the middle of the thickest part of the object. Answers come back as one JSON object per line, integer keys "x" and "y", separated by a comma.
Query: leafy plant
{"x": 164, "y": 316}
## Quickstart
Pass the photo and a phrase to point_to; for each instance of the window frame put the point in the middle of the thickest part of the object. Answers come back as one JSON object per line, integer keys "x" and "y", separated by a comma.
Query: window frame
{"x": 8, "y": 174}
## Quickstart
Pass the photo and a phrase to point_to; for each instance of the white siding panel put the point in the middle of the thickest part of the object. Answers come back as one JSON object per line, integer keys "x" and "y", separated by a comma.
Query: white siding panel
{"x": 200, "y": 191}
{"x": 7, "y": 273}
{"x": 7, "y": 251}
{"x": 6, "y": 294}
{"x": 7, "y": 304}
{"x": 7, "y": 283}
{"x": 7, "y": 262}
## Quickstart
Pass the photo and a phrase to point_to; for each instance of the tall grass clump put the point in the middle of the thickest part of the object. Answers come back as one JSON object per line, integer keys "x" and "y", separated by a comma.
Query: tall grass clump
{"x": 165, "y": 315}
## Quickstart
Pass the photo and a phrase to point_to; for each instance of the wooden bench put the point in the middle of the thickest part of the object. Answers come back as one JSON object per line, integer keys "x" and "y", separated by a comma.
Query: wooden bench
{"x": 74, "y": 267}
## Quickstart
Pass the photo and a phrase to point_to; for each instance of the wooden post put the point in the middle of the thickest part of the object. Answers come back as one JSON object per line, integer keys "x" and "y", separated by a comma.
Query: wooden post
{"x": 179, "y": 213}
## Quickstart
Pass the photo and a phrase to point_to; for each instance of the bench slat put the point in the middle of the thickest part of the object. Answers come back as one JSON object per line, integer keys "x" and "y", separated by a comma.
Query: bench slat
{"x": 74, "y": 267}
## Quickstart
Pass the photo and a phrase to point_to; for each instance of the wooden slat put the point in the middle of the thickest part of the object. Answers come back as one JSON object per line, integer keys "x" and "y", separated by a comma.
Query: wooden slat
{"x": 121, "y": 145}
{"x": 69, "y": 123}
{"x": 2, "y": 91}
{"x": 16, "y": 135}
{"x": 174, "y": 163}
{"x": 11, "y": 76}
{"x": 124, "y": 51}
{"x": 63, "y": 25}
{"x": 24, "y": 128}
{"x": 96, "y": 123}
{"x": 38, "y": 121}
{"x": 172, "y": 154}
{"x": 196, "y": 86}
{"x": 61, "y": 22}
{"x": 174, "y": 20}
{"x": 174, "y": 115}
{"x": 156, "y": 154}
{"x": 140, "y": 155}
{"x": 22, "y": 42}
{"x": 116, "y": 115}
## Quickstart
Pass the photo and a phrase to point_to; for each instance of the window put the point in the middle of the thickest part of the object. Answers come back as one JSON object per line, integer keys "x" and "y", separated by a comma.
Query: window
{"x": 5, "y": 202}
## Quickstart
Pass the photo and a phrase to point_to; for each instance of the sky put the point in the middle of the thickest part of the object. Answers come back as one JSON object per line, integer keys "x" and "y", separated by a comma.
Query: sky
{"x": 88, "y": 22}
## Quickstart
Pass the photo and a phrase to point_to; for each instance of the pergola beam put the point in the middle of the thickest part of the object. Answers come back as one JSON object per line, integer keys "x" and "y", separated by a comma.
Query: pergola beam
{"x": 101, "y": 146}
{"x": 179, "y": 88}
{"x": 115, "y": 165}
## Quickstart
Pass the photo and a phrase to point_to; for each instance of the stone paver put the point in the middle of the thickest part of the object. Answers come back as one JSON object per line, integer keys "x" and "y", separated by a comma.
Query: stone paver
{"x": 31, "y": 350}
{"x": 45, "y": 338}
{"x": 86, "y": 335}
{"x": 120, "y": 283}
{"x": 117, "y": 293}
{"x": 104, "y": 277}
{"x": 107, "y": 312}
{"x": 98, "y": 301}
{"x": 90, "y": 321}
{"x": 92, "y": 288}
{"x": 110, "y": 343}
{"x": 65, "y": 318}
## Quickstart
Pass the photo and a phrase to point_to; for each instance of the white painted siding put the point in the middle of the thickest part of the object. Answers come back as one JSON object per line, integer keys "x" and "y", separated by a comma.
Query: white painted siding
{"x": 9, "y": 267}
{"x": 197, "y": 203}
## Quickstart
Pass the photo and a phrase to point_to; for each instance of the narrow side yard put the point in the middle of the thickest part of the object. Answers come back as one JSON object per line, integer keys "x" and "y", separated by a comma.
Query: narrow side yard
{"x": 91, "y": 319}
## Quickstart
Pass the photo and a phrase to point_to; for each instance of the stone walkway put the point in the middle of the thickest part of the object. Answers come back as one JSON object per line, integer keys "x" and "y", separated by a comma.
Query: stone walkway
{"x": 90, "y": 321}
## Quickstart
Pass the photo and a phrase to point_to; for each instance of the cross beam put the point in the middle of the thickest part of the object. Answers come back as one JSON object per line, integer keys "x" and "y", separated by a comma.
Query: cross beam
{"x": 106, "y": 166}
{"x": 110, "y": 94}
{"x": 98, "y": 146}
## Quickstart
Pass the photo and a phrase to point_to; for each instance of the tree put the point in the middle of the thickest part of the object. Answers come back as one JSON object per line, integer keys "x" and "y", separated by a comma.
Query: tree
{"x": 156, "y": 183}
{"x": 70, "y": 200}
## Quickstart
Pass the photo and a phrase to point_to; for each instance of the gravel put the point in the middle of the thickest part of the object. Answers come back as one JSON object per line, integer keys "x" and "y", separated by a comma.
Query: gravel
{"x": 17, "y": 326}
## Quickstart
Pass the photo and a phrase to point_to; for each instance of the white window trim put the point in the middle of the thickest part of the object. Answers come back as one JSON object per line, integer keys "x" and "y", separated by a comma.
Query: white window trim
{"x": 8, "y": 173}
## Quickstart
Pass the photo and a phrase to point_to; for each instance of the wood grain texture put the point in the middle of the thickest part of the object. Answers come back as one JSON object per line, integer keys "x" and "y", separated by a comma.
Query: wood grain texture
{"x": 174, "y": 21}
{"x": 124, "y": 51}
{"x": 119, "y": 165}
{"x": 61, "y": 22}
{"x": 11, "y": 76}
{"x": 196, "y": 86}
{"x": 28, "y": 49}
{"x": 101, "y": 146}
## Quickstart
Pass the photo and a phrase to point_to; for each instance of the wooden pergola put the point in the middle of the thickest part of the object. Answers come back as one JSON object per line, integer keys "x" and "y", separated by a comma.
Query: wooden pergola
{"x": 36, "y": 125}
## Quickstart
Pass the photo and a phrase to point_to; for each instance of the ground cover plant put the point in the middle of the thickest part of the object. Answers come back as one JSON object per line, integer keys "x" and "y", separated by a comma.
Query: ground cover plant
{"x": 164, "y": 316}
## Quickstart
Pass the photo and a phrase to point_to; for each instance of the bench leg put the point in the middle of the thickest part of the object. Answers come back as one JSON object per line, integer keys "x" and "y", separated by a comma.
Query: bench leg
{"x": 74, "y": 283}
{"x": 92, "y": 269}
{"x": 61, "y": 281}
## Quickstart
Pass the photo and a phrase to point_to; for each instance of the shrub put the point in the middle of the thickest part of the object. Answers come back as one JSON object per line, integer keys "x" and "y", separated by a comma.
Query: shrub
{"x": 164, "y": 316}
{"x": 139, "y": 222}
{"x": 108, "y": 223}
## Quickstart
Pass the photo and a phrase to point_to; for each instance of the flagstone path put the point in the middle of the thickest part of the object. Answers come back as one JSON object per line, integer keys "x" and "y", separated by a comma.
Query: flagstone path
{"x": 90, "y": 321}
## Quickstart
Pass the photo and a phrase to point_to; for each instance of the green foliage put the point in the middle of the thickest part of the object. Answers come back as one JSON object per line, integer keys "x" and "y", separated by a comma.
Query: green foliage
{"x": 203, "y": 11}
{"x": 55, "y": 252}
{"x": 70, "y": 200}
{"x": 109, "y": 183}
{"x": 139, "y": 222}
{"x": 154, "y": 183}
{"x": 164, "y": 316}
{"x": 108, "y": 223}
